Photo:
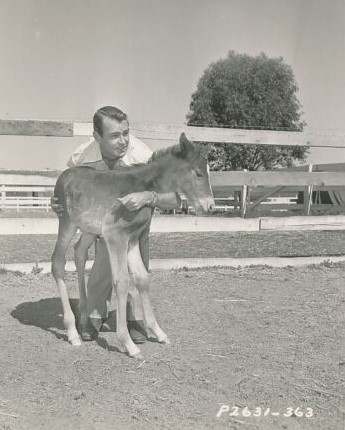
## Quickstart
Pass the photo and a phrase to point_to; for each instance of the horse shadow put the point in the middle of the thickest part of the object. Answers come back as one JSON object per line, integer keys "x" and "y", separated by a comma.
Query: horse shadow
{"x": 47, "y": 315}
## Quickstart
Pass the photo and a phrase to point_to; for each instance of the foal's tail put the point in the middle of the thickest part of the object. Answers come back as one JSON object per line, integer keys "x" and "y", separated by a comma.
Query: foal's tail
{"x": 61, "y": 183}
{"x": 61, "y": 188}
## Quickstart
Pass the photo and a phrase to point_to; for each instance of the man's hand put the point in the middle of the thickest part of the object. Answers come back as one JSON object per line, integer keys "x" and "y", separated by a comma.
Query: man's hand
{"x": 56, "y": 207}
{"x": 135, "y": 201}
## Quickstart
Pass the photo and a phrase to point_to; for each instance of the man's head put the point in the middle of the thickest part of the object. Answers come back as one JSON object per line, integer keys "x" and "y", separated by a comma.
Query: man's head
{"x": 111, "y": 131}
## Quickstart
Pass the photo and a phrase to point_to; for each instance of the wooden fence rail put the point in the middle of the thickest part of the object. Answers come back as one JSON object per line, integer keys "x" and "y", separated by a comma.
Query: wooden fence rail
{"x": 223, "y": 179}
{"x": 277, "y": 178}
{"x": 171, "y": 132}
{"x": 221, "y": 182}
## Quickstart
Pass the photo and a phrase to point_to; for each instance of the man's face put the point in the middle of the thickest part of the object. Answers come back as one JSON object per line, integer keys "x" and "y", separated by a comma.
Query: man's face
{"x": 115, "y": 138}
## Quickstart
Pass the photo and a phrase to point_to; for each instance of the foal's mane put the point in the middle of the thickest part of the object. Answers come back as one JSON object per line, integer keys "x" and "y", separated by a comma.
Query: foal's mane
{"x": 156, "y": 155}
{"x": 175, "y": 149}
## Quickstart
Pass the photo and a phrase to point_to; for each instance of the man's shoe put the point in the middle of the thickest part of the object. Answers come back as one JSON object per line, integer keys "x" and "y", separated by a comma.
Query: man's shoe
{"x": 105, "y": 327}
{"x": 88, "y": 336}
{"x": 90, "y": 331}
{"x": 136, "y": 331}
{"x": 95, "y": 323}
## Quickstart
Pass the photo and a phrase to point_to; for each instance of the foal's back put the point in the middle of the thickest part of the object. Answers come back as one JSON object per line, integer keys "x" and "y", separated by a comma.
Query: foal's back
{"x": 90, "y": 196}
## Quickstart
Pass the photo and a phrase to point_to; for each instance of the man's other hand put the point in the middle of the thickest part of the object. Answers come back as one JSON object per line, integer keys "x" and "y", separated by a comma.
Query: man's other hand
{"x": 56, "y": 207}
{"x": 135, "y": 201}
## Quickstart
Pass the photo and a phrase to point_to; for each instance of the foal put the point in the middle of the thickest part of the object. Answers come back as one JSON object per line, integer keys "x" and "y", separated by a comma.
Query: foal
{"x": 90, "y": 203}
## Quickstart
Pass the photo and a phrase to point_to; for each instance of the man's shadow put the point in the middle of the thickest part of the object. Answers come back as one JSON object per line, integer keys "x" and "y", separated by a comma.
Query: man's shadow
{"x": 47, "y": 315}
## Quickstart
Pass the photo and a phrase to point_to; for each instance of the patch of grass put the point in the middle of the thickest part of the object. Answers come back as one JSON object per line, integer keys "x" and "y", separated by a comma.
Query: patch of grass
{"x": 36, "y": 270}
{"x": 5, "y": 271}
{"x": 331, "y": 264}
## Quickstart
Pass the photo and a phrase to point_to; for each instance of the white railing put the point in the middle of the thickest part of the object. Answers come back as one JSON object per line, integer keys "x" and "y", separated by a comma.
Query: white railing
{"x": 22, "y": 202}
{"x": 10, "y": 201}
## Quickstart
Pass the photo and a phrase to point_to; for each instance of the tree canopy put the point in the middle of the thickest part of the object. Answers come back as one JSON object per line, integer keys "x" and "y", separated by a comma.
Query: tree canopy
{"x": 242, "y": 91}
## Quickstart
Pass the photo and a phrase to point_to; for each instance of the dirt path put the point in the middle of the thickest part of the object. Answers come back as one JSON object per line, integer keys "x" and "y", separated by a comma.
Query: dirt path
{"x": 36, "y": 248}
{"x": 255, "y": 337}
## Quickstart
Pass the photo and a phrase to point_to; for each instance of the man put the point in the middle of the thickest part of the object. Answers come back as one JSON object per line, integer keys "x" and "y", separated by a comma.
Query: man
{"x": 112, "y": 148}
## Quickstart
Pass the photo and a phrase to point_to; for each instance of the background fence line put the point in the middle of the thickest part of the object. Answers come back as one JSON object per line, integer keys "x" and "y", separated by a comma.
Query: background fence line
{"x": 171, "y": 132}
{"x": 222, "y": 182}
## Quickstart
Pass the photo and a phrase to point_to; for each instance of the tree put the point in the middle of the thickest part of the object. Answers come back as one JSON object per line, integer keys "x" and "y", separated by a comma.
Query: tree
{"x": 241, "y": 91}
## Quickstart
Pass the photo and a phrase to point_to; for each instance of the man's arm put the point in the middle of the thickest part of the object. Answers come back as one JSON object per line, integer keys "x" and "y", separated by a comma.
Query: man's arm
{"x": 136, "y": 201}
{"x": 168, "y": 201}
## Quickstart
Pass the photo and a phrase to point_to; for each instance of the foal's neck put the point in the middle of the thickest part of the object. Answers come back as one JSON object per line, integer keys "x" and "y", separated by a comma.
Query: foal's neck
{"x": 156, "y": 176}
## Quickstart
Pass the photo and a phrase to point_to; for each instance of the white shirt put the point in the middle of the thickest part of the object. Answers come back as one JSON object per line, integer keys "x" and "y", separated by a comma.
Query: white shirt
{"x": 89, "y": 152}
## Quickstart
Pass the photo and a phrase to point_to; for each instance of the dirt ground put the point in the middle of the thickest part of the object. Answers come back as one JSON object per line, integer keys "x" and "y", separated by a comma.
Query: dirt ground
{"x": 253, "y": 337}
{"x": 36, "y": 248}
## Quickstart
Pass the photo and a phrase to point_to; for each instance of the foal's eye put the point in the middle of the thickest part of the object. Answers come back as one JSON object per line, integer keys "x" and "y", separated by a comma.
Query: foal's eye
{"x": 198, "y": 173}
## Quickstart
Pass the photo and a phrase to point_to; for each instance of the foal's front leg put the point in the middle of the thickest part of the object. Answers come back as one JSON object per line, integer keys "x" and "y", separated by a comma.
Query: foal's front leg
{"x": 117, "y": 246}
{"x": 140, "y": 279}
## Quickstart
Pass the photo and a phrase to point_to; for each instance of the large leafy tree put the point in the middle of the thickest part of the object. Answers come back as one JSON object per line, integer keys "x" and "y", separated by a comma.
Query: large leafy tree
{"x": 242, "y": 91}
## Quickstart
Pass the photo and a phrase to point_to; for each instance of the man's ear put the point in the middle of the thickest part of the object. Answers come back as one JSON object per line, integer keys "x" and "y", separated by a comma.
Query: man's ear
{"x": 96, "y": 136}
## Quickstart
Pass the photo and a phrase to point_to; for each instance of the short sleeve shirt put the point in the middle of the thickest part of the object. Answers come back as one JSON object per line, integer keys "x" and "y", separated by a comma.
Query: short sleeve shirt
{"x": 89, "y": 154}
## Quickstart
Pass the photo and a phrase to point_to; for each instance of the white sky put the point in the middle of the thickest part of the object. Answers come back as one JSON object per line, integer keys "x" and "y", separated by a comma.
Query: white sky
{"x": 64, "y": 59}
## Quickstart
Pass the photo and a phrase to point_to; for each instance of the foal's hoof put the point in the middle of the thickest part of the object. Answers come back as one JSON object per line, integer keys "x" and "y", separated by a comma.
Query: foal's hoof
{"x": 137, "y": 356}
{"x": 164, "y": 341}
{"x": 75, "y": 341}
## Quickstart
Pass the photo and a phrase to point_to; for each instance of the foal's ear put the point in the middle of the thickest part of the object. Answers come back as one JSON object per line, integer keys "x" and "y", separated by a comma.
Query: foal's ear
{"x": 185, "y": 144}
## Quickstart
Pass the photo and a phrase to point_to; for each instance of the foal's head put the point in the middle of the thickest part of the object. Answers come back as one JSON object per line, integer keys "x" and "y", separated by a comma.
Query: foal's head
{"x": 186, "y": 170}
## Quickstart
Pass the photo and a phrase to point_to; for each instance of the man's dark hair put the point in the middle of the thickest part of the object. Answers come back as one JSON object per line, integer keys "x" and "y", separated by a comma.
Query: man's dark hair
{"x": 109, "y": 112}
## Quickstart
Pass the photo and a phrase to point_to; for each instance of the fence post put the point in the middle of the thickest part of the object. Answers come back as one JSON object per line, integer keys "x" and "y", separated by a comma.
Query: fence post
{"x": 308, "y": 194}
{"x": 244, "y": 198}
{"x": 3, "y": 196}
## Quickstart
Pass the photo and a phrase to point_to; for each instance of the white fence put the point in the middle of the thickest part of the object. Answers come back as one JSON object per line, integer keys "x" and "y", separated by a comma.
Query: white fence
{"x": 14, "y": 197}
{"x": 308, "y": 181}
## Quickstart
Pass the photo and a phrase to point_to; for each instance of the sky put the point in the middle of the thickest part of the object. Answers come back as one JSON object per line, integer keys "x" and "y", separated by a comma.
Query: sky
{"x": 64, "y": 59}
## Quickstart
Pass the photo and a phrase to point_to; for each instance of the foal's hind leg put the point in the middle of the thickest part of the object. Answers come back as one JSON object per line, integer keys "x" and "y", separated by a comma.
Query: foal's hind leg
{"x": 140, "y": 279}
{"x": 66, "y": 232}
{"x": 80, "y": 257}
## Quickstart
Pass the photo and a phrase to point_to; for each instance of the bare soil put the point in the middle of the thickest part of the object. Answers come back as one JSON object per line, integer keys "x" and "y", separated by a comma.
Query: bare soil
{"x": 255, "y": 337}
